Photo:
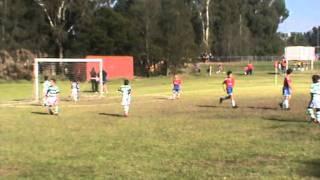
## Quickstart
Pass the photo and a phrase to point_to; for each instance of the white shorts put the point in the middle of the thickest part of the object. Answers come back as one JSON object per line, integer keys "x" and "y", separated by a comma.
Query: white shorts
{"x": 315, "y": 103}
{"x": 126, "y": 100}
{"x": 75, "y": 94}
{"x": 52, "y": 101}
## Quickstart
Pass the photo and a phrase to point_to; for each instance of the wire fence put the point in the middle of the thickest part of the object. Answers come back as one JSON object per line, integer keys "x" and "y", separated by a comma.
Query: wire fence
{"x": 240, "y": 58}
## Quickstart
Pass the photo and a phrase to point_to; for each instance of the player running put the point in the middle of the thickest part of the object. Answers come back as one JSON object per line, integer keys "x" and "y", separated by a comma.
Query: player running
{"x": 52, "y": 96}
{"x": 125, "y": 89}
{"x": 314, "y": 103}
{"x": 75, "y": 90}
{"x": 286, "y": 91}
{"x": 228, "y": 84}
{"x": 176, "y": 90}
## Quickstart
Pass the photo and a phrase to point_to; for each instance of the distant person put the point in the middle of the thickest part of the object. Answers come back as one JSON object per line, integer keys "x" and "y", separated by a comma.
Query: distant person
{"x": 104, "y": 81}
{"x": 93, "y": 75}
{"x": 97, "y": 83}
{"x": 219, "y": 69}
{"x": 250, "y": 68}
{"x": 228, "y": 84}
{"x": 45, "y": 87}
{"x": 75, "y": 90}
{"x": 286, "y": 91}
{"x": 284, "y": 65}
{"x": 125, "y": 89}
{"x": 53, "y": 98}
{"x": 176, "y": 90}
{"x": 314, "y": 103}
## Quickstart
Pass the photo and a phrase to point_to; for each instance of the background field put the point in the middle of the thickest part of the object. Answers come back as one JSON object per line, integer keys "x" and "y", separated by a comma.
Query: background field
{"x": 192, "y": 138}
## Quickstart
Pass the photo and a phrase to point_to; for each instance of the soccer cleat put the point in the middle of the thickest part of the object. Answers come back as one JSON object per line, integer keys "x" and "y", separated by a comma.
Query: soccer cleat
{"x": 281, "y": 105}
{"x": 312, "y": 120}
{"x": 50, "y": 112}
{"x": 220, "y": 100}
{"x": 235, "y": 107}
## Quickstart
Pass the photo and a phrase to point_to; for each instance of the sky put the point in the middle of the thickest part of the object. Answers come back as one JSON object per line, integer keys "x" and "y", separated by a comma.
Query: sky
{"x": 304, "y": 15}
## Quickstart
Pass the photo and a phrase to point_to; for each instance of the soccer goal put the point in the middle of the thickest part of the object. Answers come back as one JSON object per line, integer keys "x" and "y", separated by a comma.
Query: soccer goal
{"x": 66, "y": 70}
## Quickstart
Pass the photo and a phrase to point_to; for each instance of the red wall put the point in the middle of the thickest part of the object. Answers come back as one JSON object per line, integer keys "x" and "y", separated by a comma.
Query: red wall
{"x": 115, "y": 66}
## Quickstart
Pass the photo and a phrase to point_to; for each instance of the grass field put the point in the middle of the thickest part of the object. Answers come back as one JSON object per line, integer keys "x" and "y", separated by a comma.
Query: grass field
{"x": 191, "y": 138}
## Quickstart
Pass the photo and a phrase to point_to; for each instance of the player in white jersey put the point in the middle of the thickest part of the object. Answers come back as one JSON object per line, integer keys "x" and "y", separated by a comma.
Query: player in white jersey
{"x": 75, "y": 90}
{"x": 52, "y": 96}
{"x": 314, "y": 103}
{"x": 125, "y": 89}
{"x": 45, "y": 87}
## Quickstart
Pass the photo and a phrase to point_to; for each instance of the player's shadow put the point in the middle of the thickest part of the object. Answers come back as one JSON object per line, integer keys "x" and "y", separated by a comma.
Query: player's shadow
{"x": 209, "y": 106}
{"x": 279, "y": 119}
{"x": 111, "y": 114}
{"x": 311, "y": 169}
{"x": 39, "y": 113}
{"x": 262, "y": 108}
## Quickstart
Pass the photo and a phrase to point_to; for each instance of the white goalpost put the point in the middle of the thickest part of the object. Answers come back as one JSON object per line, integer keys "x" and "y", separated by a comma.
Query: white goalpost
{"x": 39, "y": 61}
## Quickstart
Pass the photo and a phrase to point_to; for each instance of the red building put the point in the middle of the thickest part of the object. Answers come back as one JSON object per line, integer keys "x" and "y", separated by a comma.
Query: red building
{"x": 115, "y": 66}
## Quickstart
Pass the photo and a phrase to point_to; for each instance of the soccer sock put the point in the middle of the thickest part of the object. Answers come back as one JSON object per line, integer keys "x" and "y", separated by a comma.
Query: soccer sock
{"x": 285, "y": 104}
{"x": 56, "y": 109}
{"x": 233, "y": 102}
{"x": 126, "y": 109}
{"x": 311, "y": 113}
{"x": 318, "y": 115}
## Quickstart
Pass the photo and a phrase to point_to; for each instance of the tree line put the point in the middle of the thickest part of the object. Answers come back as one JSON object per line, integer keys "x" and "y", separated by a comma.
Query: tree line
{"x": 153, "y": 31}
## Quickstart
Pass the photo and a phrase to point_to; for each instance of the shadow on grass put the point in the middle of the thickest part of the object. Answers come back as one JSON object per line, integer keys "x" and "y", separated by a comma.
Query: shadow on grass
{"x": 210, "y": 106}
{"x": 40, "y": 113}
{"x": 111, "y": 114}
{"x": 262, "y": 108}
{"x": 250, "y": 107}
{"x": 163, "y": 98}
{"x": 284, "y": 120}
{"x": 273, "y": 73}
{"x": 311, "y": 168}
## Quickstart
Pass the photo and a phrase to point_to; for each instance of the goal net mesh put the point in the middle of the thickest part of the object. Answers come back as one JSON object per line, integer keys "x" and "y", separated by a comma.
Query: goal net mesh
{"x": 65, "y": 73}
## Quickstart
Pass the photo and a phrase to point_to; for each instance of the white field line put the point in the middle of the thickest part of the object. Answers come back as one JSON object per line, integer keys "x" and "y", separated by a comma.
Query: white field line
{"x": 156, "y": 95}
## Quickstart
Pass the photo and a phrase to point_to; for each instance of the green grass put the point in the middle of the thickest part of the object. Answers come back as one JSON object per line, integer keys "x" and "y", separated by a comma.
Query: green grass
{"x": 192, "y": 138}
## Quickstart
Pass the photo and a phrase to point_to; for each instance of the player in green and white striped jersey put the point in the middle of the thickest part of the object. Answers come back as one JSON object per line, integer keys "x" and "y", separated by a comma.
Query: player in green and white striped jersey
{"x": 315, "y": 100}
{"x": 52, "y": 96}
{"x": 125, "y": 89}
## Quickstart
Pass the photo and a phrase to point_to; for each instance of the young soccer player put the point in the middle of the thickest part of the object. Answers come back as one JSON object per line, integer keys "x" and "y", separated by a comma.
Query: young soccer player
{"x": 228, "y": 84}
{"x": 176, "y": 87}
{"x": 75, "y": 90}
{"x": 315, "y": 99}
{"x": 286, "y": 91}
{"x": 53, "y": 98}
{"x": 125, "y": 89}
{"x": 250, "y": 68}
{"x": 45, "y": 87}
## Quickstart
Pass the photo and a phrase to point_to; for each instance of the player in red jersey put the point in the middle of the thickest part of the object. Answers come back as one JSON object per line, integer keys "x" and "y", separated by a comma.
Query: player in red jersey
{"x": 228, "y": 84}
{"x": 176, "y": 87}
{"x": 286, "y": 91}
{"x": 250, "y": 68}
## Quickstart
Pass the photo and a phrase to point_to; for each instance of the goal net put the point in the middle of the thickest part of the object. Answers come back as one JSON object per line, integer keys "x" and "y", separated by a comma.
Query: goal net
{"x": 66, "y": 71}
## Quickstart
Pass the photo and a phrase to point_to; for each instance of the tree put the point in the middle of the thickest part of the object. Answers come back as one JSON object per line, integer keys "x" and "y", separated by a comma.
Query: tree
{"x": 57, "y": 13}
{"x": 204, "y": 11}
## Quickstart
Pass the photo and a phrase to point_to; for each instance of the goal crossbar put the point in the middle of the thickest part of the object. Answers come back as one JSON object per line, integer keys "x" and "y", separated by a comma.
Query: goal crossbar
{"x": 67, "y": 60}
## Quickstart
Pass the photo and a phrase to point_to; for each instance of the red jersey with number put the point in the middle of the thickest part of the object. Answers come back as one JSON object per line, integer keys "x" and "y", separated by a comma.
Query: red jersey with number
{"x": 229, "y": 82}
